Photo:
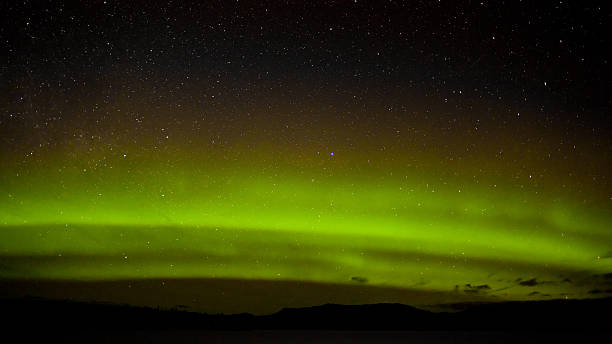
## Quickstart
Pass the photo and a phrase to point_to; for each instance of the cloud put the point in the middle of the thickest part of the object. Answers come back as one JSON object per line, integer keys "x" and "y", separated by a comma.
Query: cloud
{"x": 604, "y": 278}
{"x": 359, "y": 279}
{"x": 473, "y": 289}
{"x": 599, "y": 291}
{"x": 529, "y": 283}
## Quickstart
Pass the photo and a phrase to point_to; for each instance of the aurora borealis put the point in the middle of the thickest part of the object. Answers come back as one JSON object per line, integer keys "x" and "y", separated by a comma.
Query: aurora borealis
{"x": 426, "y": 148}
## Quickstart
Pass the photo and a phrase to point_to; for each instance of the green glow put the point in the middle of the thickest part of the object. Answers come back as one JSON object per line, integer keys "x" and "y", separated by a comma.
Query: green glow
{"x": 324, "y": 223}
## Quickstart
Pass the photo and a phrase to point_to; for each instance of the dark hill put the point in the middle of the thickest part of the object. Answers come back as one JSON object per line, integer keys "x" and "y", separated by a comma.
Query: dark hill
{"x": 555, "y": 315}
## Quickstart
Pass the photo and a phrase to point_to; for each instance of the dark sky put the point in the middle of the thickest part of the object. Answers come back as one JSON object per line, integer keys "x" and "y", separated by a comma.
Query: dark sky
{"x": 450, "y": 65}
{"x": 452, "y": 74}
{"x": 548, "y": 54}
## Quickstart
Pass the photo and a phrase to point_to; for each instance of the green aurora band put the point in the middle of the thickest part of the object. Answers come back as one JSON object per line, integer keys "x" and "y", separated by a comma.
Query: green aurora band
{"x": 332, "y": 221}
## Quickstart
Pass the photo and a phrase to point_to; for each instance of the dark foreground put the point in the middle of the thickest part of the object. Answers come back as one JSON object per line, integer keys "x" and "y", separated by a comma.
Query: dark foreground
{"x": 524, "y": 322}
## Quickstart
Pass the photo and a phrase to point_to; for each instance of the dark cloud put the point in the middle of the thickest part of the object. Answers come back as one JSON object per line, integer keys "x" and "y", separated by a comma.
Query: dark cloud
{"x": 607, "y": 278}
{"x": 599, "y": 291}
{"x": 473, "y": 289}
{"x": 533, "y": 293}
{"x": 529, "y": 283}
{"x": 359, "y": 279}
{"x": 480, "y": 287}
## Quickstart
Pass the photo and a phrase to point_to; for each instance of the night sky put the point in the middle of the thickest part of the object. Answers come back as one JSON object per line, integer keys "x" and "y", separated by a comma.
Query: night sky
{"x": 422, "y": 152}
